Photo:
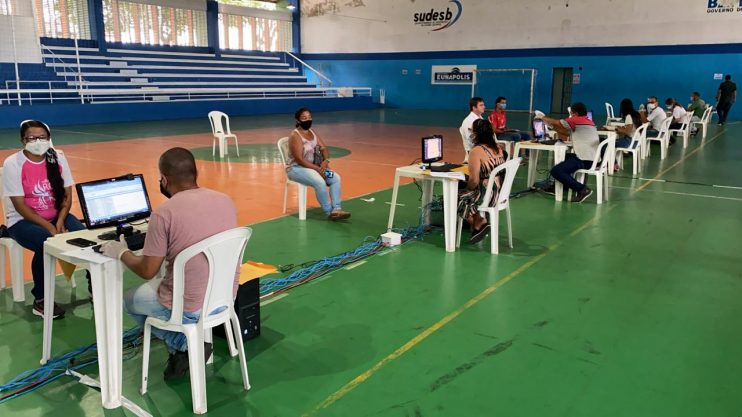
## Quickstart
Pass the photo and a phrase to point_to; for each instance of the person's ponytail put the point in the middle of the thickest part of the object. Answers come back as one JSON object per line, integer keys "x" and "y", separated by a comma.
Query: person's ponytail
{"x": 55, "y": 178}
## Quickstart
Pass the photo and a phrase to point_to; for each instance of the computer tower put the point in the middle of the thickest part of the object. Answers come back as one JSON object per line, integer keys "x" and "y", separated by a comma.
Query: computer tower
{"x": 247, "y": 307}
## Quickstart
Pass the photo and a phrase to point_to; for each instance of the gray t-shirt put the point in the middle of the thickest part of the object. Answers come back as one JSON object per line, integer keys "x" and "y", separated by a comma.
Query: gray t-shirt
{"x": 584, "y": 136}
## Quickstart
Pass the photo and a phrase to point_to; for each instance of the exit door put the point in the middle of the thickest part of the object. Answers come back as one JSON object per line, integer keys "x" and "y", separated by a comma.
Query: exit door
{"x": 561, "y": 90}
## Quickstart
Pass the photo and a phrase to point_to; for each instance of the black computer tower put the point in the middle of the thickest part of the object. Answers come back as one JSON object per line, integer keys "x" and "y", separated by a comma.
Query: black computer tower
{"x": 247, "y": 307}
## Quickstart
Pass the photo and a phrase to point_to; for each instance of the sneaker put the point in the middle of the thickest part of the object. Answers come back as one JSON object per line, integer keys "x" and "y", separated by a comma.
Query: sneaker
{"x": 38, "y": 309}
{"x": 338, "y": 215}
{"x": 177, "y": 366}
{"x": 549, "y": 189}
{"x": 582, "y": 195}
{"x": 478, "y": 235}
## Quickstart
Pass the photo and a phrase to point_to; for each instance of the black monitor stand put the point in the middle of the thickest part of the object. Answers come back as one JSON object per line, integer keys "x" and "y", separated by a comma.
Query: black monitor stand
{"x": 121, "y": 229}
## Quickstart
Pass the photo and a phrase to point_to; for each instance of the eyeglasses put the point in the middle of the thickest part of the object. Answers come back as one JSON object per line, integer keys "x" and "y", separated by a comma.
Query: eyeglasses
{"x": 32, "y": 138}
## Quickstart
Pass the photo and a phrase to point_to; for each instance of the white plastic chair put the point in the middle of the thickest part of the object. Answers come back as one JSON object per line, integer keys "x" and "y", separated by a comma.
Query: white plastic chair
{"x": 611, "y": 117}
{"x": 704, "y": 122}
{"x": 636, "y": 147}
{"x": 599, "y": 169}
{"x": 663, "y": 137}
{"x": 224, "y": 252}
{"x": 16, "y": 257}
{"x": 684, "y": 129}
{"x": 492, "y": 213}
{"x": 283, "y": 149}
{"x": 221, "y": 133}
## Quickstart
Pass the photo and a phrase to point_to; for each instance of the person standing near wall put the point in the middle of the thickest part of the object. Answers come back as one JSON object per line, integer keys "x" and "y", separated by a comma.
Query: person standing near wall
{"x": 725, "y": 97}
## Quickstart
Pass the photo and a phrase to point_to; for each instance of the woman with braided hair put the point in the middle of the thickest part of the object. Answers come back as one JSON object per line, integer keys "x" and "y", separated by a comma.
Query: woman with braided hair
{"x": 38, "y": 182}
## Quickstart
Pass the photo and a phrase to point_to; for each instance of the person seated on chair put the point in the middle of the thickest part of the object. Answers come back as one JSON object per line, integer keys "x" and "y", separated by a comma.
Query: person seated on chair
{"x": 697, "y": 106}
{"x": 484, "y": 157}
{"x": 39, "y": 183}
{"x": 191, "y": 215}
{"x": 309, "y": 164}
{"x": 654, "y": 115}
{"x": 476, "y": 110}
{"x": 678, "y": 115}
{"x": 498, "y": 118}
{"x": 632, "y": 121}
{"x": 585, "y": 142}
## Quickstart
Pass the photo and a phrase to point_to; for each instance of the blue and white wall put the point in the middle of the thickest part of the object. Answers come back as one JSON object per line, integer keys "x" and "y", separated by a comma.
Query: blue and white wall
{"x": 629, "y": 48}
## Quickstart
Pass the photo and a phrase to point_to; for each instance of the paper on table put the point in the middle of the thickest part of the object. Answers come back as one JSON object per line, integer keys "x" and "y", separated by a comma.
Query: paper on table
{"x": 87, "y": 254}
{"x": 455, "y": 175}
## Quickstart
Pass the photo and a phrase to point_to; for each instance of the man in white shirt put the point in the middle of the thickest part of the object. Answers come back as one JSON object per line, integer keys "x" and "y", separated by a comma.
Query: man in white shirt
{"x": 476, "y": 107}
{"x": 654, "y": 115}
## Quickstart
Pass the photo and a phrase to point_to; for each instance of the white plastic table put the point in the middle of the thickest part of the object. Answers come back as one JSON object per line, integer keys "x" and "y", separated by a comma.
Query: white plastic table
{"x": 107, "y": 283}
{"x": 450, "y": 200}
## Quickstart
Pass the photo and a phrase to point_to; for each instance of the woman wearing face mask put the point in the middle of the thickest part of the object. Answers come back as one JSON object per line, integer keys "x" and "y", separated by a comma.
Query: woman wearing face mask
{"x": 309, "y": 164}
{"x": 38, "y": 182}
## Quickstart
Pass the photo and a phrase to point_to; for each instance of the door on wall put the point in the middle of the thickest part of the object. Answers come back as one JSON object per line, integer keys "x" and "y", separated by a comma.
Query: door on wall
{"x": 561, "y": 90}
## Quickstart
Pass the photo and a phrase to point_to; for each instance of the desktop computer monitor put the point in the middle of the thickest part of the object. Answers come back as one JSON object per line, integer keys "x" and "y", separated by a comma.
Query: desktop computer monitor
{"x": 590, "y": 114}
{"x": 114, "y": 201}
{"x": 432, "y": 149}
{"x": 539, "y": 129}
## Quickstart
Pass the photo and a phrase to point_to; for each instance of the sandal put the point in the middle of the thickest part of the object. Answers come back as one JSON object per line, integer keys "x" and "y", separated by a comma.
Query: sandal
{"x": 478, "y": 235}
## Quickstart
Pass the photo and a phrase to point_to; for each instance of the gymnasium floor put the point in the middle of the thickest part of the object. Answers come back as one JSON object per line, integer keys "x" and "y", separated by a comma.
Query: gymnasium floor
{"x": 626, "y": 309}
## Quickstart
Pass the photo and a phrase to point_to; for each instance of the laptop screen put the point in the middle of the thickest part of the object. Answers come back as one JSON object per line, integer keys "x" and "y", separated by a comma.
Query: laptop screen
{"x": 113, "y": 201}
{"x": 590, "y": 114}
{"x": 539, "y": 129}
{"x": 432, "y": 149}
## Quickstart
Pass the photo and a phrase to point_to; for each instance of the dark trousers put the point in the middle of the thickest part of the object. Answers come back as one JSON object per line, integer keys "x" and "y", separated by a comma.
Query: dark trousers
{"x": 723, "y": 111}
{"x": 563, "y": 171}
{"x": 32, "y": 237}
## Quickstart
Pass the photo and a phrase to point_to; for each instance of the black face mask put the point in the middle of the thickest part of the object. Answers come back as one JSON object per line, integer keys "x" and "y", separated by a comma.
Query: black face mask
{"x": 163, "y": 191}
{"x": 306, "y": 124}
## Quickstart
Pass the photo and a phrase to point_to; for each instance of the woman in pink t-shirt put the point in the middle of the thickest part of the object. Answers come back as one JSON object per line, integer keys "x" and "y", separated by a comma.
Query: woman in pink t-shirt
{"x": 38, "y": 182}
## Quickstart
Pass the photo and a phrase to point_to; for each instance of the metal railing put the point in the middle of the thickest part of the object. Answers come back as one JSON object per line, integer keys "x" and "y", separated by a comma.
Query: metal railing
{"x": 150, "y": 94}
{"x": 322, "y": 77}
{"x": 76, "y": 67}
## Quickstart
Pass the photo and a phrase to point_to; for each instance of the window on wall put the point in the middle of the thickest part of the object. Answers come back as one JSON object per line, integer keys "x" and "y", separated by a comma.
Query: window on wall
{"x": 153, "y": 24}
{"x": 62, "y": 18}
{"x": 255, "y": 4}
{"x": 254, "y": 33}
{"x": 7, "y": 7}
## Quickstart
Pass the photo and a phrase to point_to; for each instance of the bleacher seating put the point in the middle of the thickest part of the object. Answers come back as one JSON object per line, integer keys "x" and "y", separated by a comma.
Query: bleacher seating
{"x": 126, "y": 75}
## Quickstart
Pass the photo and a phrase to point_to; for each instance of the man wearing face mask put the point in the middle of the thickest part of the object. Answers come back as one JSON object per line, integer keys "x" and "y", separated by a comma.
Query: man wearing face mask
{"x": 191, "y": 215}
{"x": 654, "y": 115}
{"x": 498, "y": 118}
{"x": 39, "y": 183}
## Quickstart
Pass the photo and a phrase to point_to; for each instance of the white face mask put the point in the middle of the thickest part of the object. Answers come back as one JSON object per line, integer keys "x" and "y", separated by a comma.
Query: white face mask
{"x": 38, "y": 147}
{"x": 652, "y": 106}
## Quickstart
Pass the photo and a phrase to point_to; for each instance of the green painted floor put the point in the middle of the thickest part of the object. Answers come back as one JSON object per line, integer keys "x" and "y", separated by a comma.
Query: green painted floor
{"x": 626, "y": 309}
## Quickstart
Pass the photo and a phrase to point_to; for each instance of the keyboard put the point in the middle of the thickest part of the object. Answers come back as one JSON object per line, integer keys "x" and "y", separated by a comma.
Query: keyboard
{"x": 134, "y": 242}
{"x": 444, "y": 167}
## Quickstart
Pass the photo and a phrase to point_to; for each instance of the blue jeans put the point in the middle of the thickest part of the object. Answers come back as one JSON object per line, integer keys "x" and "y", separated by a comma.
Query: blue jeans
{"x": 32, "y": 237}
{"x": 652, "y": 133}
{"x": 563, "y": 171}
{"x": 513, "y": 136}
{"x": 329, "y": 201}
{"x": 723, "y": 111}
{"x": 623, "y": 142}
{"x": 141, "y": 302}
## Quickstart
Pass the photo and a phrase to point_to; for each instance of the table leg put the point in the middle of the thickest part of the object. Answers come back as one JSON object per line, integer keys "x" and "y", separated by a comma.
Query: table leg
{"x": 107, "y": 280}
{"x": 393, "y": 206}
{"x": 427, "y": 198}
{"x": 50, "y": 273}
{"x": 450, "y": 200}
{"x": 532, "y": 165}
{"x": 560, "y": 153}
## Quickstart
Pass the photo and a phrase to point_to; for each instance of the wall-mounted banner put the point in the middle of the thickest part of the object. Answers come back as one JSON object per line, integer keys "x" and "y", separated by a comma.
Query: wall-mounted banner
{"x": 453, "y": 74}
{"x": 724, "y": 6}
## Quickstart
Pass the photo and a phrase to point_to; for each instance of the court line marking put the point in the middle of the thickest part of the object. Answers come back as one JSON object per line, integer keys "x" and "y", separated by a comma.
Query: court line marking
{"x": 350, "y": 386}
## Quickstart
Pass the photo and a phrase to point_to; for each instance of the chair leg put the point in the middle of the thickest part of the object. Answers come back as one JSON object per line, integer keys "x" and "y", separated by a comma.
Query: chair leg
{"x": 302, "y": 202}
{"x": 2, "y": 268}
{"x": 663, "y": 149}
{"x": 635, "y": 163}
{"x": 145, "y": 357}
{"x": 599, "y": 183}
{"x": 285, "y": 195}
{"x": 209, "y": 338}
{"x": 230, "y": 340}
{"x": 494, "y": 232}
{"x": 237, "y": 147}
{"x": 685, "y": 139}
{"x": 510, "y": 226}
{"x": 241, "y": 350}
{"x": 16, "y": 273}
{"x": 704, "y": 126}
{"x": 213, "y": 146}
{"x": 197, "y": 369}
{"x": 459, "y": 226}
